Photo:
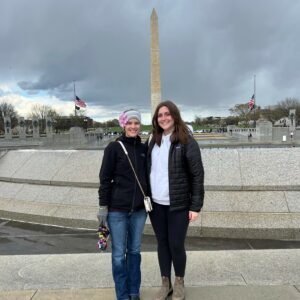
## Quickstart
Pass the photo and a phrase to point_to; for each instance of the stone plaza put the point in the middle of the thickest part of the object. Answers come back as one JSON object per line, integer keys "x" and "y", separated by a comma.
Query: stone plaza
{"x": 250, "y": 192}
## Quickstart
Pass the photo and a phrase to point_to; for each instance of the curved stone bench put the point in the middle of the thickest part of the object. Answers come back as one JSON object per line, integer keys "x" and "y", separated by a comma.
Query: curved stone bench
{"x": 250, "y": 193}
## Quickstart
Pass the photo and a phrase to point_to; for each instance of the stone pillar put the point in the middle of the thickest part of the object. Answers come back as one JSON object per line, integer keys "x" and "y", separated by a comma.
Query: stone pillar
{"x": 264, "y": 130}
{"x": 77, "y": 136}
{"x": 35, "y": 128}
{"x": 22, "y": 128}
{"x": 292, "y": 117}
{"x": 7, "y": 128}
{"x": 155, "y": 63}
{"x": 49, "y": 127}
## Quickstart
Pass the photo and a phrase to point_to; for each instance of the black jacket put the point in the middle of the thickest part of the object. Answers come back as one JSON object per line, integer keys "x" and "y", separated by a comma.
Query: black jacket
{"x": 186, "y": 175}
{"x": 118, "y": 186}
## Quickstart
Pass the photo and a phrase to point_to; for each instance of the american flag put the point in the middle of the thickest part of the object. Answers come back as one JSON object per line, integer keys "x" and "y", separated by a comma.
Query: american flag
{"x": 79, "y": 103}
{"x": 251, "y": 102}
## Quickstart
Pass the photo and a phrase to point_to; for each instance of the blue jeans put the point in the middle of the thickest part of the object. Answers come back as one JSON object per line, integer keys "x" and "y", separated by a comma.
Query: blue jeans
{"x": 126, "y": 229}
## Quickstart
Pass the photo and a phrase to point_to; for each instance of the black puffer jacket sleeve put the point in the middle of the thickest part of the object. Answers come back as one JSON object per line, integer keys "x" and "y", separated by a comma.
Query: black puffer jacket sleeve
{"x": 106, "y": 175}
{"x": 196, "y": 174}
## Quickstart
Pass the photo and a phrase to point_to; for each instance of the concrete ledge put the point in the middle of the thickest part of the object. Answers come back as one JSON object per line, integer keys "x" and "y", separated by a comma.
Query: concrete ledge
{"x": 196, "y": 231}
{"x": 51, "y": 182}
{"x": 49, "y": 220}
{"x": 252, "y": 188}
{"x": 86, "y": 218}
{"x": 74, "y": 183}
{"x": 207, "y": 187}
{"x": 251, "y": 233}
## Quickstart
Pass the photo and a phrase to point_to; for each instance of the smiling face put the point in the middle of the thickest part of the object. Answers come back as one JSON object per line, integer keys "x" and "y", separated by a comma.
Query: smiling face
{"x": 132, "y": 128}
{"x": 165, "y": 120}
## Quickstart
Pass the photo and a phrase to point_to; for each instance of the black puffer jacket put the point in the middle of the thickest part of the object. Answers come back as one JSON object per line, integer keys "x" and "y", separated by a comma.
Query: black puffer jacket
{"x": 118, "y": 186}
{"x": 186, "y": 175}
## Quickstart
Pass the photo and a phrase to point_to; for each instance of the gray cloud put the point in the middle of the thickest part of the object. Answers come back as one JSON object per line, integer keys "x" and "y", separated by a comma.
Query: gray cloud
{"x": 209, "y": 50}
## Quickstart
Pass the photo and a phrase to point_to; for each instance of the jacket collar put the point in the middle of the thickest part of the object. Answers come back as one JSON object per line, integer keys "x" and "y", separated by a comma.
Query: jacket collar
{"x": 129, "y": 140}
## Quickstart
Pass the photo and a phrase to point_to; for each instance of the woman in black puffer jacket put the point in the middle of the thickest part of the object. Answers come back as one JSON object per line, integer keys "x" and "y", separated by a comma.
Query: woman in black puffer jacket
{"x": 176, "y": 177}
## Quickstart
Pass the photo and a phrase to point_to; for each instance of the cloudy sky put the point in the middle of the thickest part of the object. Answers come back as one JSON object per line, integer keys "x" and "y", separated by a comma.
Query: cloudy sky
{"x": 209, "y": 51}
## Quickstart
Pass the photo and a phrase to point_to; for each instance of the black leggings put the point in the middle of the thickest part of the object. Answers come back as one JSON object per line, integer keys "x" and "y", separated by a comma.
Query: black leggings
{"x": 170, "y": 228}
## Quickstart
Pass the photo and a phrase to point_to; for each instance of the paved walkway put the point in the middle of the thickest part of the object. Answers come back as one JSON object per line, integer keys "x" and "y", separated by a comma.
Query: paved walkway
{"x": 233, "y": 274}
{"x": 192, "y": 293}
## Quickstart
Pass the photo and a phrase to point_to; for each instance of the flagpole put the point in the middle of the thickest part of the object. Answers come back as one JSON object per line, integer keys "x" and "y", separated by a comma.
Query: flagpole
{"x": 74, "y": 99}
{"x": 254, "y": 100}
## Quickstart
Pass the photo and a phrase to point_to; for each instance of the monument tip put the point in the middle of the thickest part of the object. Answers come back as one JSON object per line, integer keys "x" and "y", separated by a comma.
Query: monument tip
{"x": 153, "y": 14}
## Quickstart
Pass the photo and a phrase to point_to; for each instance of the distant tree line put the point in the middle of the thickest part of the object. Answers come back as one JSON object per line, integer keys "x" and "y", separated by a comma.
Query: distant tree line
{"x": 39, "y": 111}
{"x": 282, "y": 109}
{"x": 107, "y": 124}
{"x": 239, "y": 114}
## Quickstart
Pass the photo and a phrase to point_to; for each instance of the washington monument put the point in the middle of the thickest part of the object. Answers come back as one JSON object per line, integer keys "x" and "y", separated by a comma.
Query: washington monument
{"x": 155, "y": 63}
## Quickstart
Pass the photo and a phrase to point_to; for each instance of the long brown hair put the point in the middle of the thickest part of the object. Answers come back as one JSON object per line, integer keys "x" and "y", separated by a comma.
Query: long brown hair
{"x": 181, "y": 131}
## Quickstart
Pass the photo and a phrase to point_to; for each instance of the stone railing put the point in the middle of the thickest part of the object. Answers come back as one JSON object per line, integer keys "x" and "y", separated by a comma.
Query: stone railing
{"x": 21, "y": 128}
{"x": 265, "y": 132}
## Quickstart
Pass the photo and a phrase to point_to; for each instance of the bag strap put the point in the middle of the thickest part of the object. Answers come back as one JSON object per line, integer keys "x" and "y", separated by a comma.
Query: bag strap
{"x": 137, "y": 179}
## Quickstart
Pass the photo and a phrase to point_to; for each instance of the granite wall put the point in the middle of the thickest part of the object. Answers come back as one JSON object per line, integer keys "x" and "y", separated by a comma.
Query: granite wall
{"x": 251, "y": 193}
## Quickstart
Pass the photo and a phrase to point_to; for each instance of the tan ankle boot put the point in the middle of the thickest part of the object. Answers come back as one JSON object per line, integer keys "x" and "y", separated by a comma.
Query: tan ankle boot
{"x": 165, "y": 290}
{"x": 178, "y": 289}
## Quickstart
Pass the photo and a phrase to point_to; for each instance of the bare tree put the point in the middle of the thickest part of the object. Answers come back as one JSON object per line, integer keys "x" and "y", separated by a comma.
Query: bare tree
{"x": 285, "y": 105}
{"x": 8, "y": 110}
{"x": 42, "y": 111}
{"x": 242, "y": 111}
{"x": 272, "y": 114}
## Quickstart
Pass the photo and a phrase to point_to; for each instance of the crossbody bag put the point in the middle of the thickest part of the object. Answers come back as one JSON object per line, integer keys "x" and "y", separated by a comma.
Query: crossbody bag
{"x": 147, "y": 199}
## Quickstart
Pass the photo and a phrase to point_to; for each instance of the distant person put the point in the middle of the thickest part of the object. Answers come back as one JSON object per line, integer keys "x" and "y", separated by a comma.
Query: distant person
{"x": 292, "y": 135}
{"x": 122, "y": 204}
{"x": 176, "y": 179}
{"x": 250, "y": 136}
